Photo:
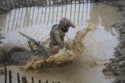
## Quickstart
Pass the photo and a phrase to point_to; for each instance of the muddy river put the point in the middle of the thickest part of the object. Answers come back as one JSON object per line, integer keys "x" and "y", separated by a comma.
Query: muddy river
{"x": 37, "y": 22}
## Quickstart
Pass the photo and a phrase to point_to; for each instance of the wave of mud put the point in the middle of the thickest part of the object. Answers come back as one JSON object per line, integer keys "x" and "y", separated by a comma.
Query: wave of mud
{"x": 73, "y": 49}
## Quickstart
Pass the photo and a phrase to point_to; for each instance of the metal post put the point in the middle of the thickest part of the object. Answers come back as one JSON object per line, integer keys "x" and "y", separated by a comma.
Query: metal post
{"x": 33, "y": 14}
{"x": 10, "y": 76}
{"x": 45, "y": 11}
{"x": 24, "y": 80}
{"x": 25, "y": 15}
{"x": 39, "y": 81}
{"x": 75, "y": 12}
{"x": 41, "y": 16}
{"x": 32, "y": 79}
{"x": 37, "y": 16}
{"x": 53, "y": 14}
{"x": 66, "y": 8}
{"x": 78, "y": 13}
{"x": 5, "y": 74}
{"x": 17, "y": 21}
{"x": 62, "y": 10}
{"x": 49, "y": 12}
{"x": 8, "y": 28}
{"x": 13, "y": 20}
{"x": 86, "y": 14}
{"x": 46, "y": 81}
{"x": 18, "y": 78}
{"x": 82, "y": 12}
{"x": 71, "y": 10}
{"x": 57, "y": 11}
{"x": 21, "y": 17}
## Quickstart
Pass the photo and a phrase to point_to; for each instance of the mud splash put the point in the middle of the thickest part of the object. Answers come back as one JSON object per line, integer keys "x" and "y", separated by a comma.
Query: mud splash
{"x": 73, "y": 49}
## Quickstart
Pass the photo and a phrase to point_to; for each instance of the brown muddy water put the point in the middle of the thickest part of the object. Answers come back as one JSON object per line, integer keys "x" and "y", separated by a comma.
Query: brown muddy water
{"x": 99, "y": 44}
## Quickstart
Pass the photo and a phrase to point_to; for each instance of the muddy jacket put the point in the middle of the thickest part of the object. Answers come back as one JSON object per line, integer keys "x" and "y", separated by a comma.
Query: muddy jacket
{"x": 56, "y": 36}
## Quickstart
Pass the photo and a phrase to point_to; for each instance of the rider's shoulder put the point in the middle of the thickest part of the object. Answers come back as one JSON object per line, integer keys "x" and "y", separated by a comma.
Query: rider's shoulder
{"x": 55, "y": 26}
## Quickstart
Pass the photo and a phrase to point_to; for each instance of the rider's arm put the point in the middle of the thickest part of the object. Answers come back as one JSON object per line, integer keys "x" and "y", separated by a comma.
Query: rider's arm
{"x": 58, "y": 39}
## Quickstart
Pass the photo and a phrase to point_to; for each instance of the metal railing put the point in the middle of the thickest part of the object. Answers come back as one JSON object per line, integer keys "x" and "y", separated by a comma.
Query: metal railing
{"x": 10, "y": 78}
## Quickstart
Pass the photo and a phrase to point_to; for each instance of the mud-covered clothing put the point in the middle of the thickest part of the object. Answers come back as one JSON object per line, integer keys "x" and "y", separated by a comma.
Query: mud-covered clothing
{"x": 56, "y": 36}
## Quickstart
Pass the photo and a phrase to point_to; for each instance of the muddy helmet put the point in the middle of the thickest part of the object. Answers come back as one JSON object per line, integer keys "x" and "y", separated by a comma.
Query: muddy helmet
{"x": 66, "y": 23}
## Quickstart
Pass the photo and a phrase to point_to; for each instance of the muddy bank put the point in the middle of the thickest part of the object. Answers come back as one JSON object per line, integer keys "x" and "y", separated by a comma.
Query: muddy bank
{"x": 119, "y": 4}
{"x": 116, "y": 66}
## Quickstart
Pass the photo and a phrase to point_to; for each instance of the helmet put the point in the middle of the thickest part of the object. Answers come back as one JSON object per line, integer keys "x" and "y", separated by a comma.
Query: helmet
{"x": 66, "y": 23}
